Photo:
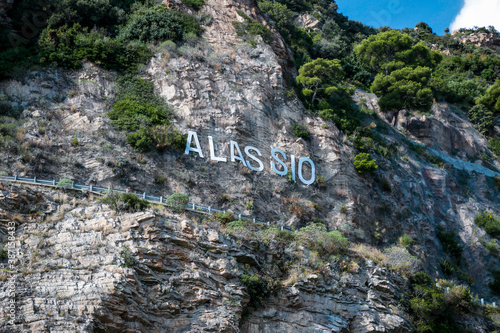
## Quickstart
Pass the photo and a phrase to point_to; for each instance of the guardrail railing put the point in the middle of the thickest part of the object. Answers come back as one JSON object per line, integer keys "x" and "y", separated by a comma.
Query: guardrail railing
{"x": 150, "y": 198}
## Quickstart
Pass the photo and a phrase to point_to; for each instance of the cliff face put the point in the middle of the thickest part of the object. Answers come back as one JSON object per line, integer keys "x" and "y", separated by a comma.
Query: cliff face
{"x": 75, "y": 274}
{"x": 186, "y": 278}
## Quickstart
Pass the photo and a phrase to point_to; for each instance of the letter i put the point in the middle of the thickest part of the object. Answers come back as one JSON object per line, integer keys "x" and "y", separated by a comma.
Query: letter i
{"x": 293, "y": 168}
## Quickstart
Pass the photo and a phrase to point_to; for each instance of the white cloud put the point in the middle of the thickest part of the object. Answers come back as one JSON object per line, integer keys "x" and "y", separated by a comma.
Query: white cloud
{"x": 481, "y": 13}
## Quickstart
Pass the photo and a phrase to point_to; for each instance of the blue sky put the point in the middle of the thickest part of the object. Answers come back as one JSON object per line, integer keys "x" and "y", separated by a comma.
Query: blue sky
{"x": 439, "y": 14}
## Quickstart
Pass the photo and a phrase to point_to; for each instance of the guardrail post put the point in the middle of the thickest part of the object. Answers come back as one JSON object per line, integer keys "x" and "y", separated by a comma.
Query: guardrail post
{"x": 494, "y": 304}
{"x": 447, "y": 290}
{"x": 54, "y": 182}
{"x": 126, "y": 190}
{"x": 268, "y": 224}
{"x": 34, "y": 180}
{"x": 239, "y": 216}
{"x": 437, "y": 285}
{"x": 72, "y": 184}
{"x": 161, "y": 199}
{"x": 15, "y": 177}
{"x": 482, "y": 301}
{"x": 281, "y": 228}
{"x": 90, "y": 188}
{"x": 144, "y": 195}
{"x": 109, "y": 188}
{"x": 209, "y": 209}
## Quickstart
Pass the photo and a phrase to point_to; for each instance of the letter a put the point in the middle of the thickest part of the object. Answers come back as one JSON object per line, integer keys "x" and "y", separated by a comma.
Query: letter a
{"x": 234, "y": 147}
{"x": 197, "y": 149}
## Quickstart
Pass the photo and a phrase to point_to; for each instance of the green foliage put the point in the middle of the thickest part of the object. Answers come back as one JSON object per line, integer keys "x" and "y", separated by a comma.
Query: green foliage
{"x": 271, "y": 234}
{"x": 140, "y": 140}
{"x": 489, "y": 222}
{"x": 482, "y": 118}
{"x": 431, "y": 308}
{"x": 196, "y": 4}
{"x": 405, "y": 241}
{"x": 68, "y": 46}
{"x": 145, "y": 116}
{"x": 404, "y": 88}
{"x": 446, "y": 266}
{"x": 494, "y": 146}
{"x": 126, "y": 202}
{"x": 177, "y": 201}
{"x": 457, "y": 91}
{"x": 450, "y": 242}
{"x": 65, "y": 183}
{"x": 491, "y": 99}
{"x": 4, "y": 253}
{"x": 393, "y": 50}
{"x": 158, "y": 23}
{"x": 127, "y": 258}
{"x": 320, "y": 75}
{"x": 251, "y": 28}
{"x": 225, "y": 218}
{"x": 301, "y": 131}
{"x": 168, "y": 137}
{"x": 401, "y": 260}
{"x": 259, "y": 287}
{"x": 364, "y": 163}
{"x": 316, "y": 238}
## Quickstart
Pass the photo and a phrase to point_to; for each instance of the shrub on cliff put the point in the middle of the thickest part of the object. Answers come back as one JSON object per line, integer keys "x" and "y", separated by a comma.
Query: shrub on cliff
{"x": 364, "y": 163}
{"x": 195, "y": 4}
{"x": 315, "y": 237}
{"x": 489, "y": 222}
{"x": 158, "y": 24}
{"x": 301, "y": 131}
{"x": 177, "y": 201}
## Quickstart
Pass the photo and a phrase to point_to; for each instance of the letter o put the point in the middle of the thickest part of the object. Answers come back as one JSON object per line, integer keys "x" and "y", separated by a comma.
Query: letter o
{"x": 313, "y": 170}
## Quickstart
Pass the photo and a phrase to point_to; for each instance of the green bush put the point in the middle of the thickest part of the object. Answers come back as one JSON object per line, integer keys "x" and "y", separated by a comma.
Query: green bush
{"x": 401, "y": 260}
{"x": 446, "y": 266}
{"x": 405, "y": 241}
{"x": 301, "y": 131}
{"x": 65, "y": 183}
{"x": 225, "y": 218}
{"x": 158, "y": 24}
{"x": 127, "y": 258}
{"x": 406, "y": 88}
{"x": 3, "y": 253}
{"x": 68, "y": 46}
{"x": 177, "y": 201}
{"x": 196, "y": 4}
{"x": 491, "y": 100}
{"x": 482, "y": 118}
{"x": 489, "y": 222}
{"x": 364, "y": 163}
{"x": 268, "y": 235}
{"x": 127, "y": 202}
{"x": 431, "y": 308}
{"x": 259, "y": 288}
{"x": 134, "y": 203}
{"x": 494, "y": 146}
{"x": 316, "y": 238}
{"x": 450, "y": 242}
{"x": 167, "y": 136}
{"x": 141, "y": 140}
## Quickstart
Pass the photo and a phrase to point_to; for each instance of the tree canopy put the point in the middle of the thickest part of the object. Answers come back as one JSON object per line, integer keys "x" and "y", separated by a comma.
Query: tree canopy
{"x": 319, "y": 74}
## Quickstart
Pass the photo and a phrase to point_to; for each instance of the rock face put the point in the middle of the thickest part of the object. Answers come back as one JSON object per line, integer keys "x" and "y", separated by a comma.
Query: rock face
{"x": 308, "y": 22}
{"x": 489, "y": 40}
{"x": 84, "y": 268}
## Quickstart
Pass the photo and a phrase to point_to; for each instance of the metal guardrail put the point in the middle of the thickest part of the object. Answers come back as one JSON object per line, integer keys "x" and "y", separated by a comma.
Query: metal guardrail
{"x": 192, "y": 207}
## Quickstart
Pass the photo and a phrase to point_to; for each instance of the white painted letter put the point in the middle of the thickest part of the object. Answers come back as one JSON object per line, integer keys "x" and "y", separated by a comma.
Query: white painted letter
{"x": 212, "y": 151}
{"x": 313, "y": 171}
{"x": 247, "y": 151}
{"x": 273, "y": 165}
{"x": 198, "y": 150}
{"x": 293, "y": 168}
{"x": 234, "y": 146}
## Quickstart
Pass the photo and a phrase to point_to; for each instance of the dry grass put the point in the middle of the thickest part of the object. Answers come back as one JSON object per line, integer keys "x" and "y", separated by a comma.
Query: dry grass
{"x": 368, "y": 252}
